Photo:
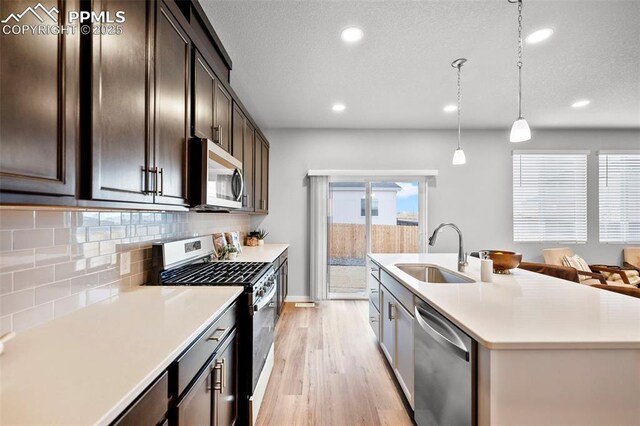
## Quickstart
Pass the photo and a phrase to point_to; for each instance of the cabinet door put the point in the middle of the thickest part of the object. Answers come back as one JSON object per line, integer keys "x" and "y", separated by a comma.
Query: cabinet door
{"x": 39, "y": 87}
{"x": 196, "y": 407}
{"x": 225, "y": 410}
{"x": 203, "y": 90}
{"x": 248, "y": 167}
{"x": 265, "y": 177}
{"x": 257, "y": 179}
{"x": 387, "y": 325}
{"x": 222, "y": 116}
{"x": 122, "y": 94}
{"x": 172, "y": 68}
{"x": 237, "y": 136}
{"x": 404, "y": 351}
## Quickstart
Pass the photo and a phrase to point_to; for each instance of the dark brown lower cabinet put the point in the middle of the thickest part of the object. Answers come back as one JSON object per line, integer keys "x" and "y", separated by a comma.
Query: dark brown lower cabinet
{"x": 150, "y": 408}
{"x": 213, "y": 398}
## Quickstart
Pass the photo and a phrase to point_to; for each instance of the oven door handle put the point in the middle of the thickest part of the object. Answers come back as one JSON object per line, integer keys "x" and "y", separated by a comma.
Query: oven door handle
{"x": 266, "y": 299}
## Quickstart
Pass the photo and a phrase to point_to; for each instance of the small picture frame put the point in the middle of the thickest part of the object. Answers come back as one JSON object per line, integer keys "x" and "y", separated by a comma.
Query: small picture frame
{"x": 233, "y": 238}
{"x": 219, "y": 242}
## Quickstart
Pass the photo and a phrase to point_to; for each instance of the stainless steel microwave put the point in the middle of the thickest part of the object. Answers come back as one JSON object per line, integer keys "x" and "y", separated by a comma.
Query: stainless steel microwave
{"x": 216, "y": 177}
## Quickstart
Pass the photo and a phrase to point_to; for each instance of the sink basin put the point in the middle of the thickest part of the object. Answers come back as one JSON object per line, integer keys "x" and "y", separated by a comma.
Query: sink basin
{"x": 432, "y": 274}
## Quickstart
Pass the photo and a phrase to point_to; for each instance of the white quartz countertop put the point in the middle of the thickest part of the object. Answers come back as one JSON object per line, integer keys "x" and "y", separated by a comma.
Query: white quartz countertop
{"x": 525, "y": 310}
{"x": 266, "y": 253}
{"x": 87, "y": 367}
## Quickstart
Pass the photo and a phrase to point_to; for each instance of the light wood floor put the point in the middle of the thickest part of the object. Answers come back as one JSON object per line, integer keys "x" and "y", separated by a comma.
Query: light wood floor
{"x": 329, "y": 371}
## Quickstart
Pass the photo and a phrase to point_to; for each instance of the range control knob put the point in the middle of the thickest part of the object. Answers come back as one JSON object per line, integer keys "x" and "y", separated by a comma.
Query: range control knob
{"x": 260, "y": 292}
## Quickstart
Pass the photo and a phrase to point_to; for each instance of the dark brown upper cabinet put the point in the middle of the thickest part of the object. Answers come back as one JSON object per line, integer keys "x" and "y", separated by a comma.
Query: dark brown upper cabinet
{"x": 243, "y": 149}
{"x": 261, "y": 175}
{"x": 140, "y": 92}
{"x": 172, "y": 112}
{"x": 121, "y": 95}
{"x": 222, "y": 116}
{"x": 203, "y": 91}
{"x": 39, "y": 106}
{"x": 212, "y": 105}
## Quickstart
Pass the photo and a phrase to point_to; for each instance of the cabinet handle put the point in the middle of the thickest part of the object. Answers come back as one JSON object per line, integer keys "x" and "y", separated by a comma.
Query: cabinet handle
{"x": 219, "y": 336}
{"x": 217, "y": 380}
{"x": 392, "y": 307}
{"x": 145, "y": 180}
{"x": 244, "y": 201}
{"x": 374, "y": 291}
{"x": 222, "y": 374}
{"x": 218, "y": 134}
{"x": 161, "y": 173}
{"x": 373, "y": 319}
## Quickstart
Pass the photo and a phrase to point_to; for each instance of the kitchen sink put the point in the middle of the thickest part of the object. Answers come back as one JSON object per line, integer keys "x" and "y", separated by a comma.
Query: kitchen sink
{"x": 432, "y": 274}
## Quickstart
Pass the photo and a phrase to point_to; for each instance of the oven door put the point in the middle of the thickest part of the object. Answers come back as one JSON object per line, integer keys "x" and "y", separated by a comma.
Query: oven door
{"x": 224, "y": 181}
{"x": 264, "y": 318}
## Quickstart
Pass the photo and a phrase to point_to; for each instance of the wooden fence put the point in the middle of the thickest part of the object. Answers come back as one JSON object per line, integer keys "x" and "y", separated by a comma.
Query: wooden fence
{"x": 348, "y": 239}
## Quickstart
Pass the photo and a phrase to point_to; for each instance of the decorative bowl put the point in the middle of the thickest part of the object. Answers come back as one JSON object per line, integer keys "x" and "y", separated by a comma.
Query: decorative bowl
{"x": 504, "y": 261}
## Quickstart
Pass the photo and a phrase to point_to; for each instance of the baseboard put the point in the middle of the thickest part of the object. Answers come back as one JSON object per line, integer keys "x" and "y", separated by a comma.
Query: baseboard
{"x": 298, "y": 299}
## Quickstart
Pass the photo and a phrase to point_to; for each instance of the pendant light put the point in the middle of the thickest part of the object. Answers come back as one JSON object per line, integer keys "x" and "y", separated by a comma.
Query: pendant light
{"x": 458, "y": 155}
{"x": 520, "y": 131}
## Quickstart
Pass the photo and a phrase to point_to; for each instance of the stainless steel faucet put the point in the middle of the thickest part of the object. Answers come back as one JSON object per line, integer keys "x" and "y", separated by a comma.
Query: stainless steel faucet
{"x": 462, "y": 256}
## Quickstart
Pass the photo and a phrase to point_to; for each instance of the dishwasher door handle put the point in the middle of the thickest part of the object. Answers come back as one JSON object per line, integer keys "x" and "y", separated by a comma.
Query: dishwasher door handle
{"x": 459, "y": 349}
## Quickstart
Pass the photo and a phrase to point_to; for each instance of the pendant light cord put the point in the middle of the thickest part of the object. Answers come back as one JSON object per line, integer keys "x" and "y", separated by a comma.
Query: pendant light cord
{"x": 459, "y": 103}
{"x": 519, "y": 59}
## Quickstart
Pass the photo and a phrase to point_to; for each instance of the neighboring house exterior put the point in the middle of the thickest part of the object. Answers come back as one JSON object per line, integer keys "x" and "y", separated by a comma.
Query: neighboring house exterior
{"x": 348, "y": 200}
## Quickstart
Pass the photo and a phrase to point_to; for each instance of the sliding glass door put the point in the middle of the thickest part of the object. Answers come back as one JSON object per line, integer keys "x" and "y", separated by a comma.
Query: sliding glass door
{"x": 370, "y": 216}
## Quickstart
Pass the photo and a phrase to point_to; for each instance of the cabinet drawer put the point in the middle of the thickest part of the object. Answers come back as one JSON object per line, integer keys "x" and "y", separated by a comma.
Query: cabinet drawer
{"x": 374, "y": 320}
{"x": 150, "y": 408}
{"x": 374, "y": 291}
{"x": 192, "y": 360}
{"x": 374, "y": 270}
{"x": 402, "y": 295}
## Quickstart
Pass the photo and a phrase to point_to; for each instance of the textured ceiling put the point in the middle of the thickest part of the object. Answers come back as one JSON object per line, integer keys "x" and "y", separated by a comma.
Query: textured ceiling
{"x": 290, "y": 64}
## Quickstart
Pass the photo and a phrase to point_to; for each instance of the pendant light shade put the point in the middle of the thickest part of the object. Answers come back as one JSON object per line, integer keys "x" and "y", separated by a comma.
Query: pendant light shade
{"x": 520, "y": 131}
{"x": 458, "y": 157}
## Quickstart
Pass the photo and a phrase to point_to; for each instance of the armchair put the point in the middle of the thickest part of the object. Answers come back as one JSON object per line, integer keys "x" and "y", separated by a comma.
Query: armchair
{"x": 632, "y": 258}
{"x": 591, "y": 274}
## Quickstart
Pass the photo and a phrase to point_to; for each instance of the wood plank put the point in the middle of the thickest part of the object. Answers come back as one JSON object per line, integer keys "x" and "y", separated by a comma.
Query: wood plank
{"x": 329, "y": 370}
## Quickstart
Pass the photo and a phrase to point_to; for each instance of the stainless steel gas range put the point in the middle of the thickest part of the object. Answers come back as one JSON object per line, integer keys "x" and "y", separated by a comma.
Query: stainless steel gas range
{"x": 189, "y": 262}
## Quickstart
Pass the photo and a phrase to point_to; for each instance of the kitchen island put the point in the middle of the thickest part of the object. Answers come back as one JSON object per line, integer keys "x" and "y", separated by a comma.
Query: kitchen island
{"x": 87, "y": 367}
{"x": 549, "y": 351}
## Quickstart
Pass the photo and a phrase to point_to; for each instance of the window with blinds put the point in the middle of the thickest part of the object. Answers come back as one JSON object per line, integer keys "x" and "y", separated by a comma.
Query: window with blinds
{"x": 619, "y": 177}
{"x": 550, "y": 196}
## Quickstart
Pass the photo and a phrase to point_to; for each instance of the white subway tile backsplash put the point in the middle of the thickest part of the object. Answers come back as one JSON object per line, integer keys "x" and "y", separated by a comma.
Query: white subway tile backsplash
{"x": 52, "y": 255}
{"x": 16, "y": 219}
{"x": 52, "y": 219}
{"x": 34, "y": 277}
{"x": 6, "y": 240}
{"x": 16, "y": 301}
{"x": 16, "y": 260}
{"x": 6, "y": 283}
{"x": 53, "y": 291}
{"x": 32, "y": 238}
{"x": 70, "y": 269}
{"x": 53, "y": 262}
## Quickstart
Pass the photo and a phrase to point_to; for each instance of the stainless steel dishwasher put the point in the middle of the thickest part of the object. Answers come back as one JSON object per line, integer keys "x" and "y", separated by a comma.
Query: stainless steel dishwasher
{"x": 445, "y": 371}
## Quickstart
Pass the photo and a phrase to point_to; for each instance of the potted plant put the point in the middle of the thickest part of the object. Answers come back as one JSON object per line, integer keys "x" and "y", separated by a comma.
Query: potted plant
{"x": 229, "y": 252}
{"x": 261, "y": 234}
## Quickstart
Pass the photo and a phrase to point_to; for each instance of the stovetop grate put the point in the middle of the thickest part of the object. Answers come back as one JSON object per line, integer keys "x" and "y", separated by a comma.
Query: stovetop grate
{"x": 215, "y": 273}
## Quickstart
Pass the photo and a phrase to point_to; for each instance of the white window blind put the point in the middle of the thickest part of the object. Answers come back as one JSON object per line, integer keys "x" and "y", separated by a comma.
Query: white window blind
{"x": 619, "y": 176}
{"x": 550, "y": 196}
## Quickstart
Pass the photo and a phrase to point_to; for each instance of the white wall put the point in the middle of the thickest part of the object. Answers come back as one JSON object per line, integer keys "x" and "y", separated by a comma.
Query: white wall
{"x": 476, "y": 196}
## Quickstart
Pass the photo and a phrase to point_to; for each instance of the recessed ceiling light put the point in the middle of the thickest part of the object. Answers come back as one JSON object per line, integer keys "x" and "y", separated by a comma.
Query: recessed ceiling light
{"x": 538, "y": 36}
{"x": 581, "y": 103}
{"x": 338, "y": 107}
{"x": 351, "y": 34}
{"x": 450, "y": 108}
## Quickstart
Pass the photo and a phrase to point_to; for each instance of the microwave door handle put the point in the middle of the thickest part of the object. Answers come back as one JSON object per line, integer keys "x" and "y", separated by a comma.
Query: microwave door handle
{"x": 241, "y": 191}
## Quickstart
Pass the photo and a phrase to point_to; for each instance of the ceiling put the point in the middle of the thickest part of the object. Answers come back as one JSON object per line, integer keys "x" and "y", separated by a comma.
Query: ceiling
{"x": 290, "y": 65}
